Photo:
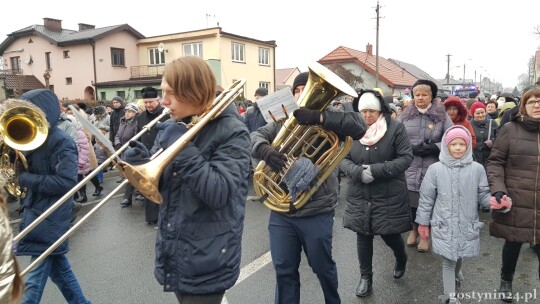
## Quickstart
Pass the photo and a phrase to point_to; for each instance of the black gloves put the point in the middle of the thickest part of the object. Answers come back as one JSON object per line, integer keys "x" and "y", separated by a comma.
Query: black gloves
{"x": 274, "y": 159}
{"x": 170, "y": 132}
{"x": 425, "y": 149}
{"x": 305, "y": 116}
{"x": 498, "y": 195}
{"x": 137, "y": 154}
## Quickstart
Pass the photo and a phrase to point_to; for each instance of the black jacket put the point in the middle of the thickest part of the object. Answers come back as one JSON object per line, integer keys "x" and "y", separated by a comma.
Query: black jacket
{"x": 116, "y": 115}
{"x": 143, "y": 119}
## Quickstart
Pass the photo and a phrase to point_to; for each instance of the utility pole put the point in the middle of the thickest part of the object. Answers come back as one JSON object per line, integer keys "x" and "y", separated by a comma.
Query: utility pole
{"x": 448, "y": 68}
{"x": 464, "y": 74}
{"x": 377, "y": 48}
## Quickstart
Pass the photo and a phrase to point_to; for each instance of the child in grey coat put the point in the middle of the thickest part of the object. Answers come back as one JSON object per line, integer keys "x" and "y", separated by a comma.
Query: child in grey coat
{"x": 450, "y": 195}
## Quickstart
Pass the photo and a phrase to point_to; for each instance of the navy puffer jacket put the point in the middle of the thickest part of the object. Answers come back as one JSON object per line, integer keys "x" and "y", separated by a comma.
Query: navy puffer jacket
{"x": 52, "y": 172}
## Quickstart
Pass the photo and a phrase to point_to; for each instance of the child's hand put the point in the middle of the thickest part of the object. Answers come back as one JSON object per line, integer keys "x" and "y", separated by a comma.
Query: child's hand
{"x": 504, "y": 206}
{"x": 423, "y": 231}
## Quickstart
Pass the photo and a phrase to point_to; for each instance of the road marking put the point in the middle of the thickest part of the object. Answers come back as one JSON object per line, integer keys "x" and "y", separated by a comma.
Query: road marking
{"x": 250, "y": 269}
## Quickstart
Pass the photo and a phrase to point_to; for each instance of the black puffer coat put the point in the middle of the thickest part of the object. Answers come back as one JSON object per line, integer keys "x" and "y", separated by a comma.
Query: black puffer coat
{"x": 382, "y": 206}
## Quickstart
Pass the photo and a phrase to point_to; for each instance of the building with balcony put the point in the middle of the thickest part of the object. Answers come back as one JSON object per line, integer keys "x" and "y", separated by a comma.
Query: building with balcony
{"x": 100, "y": 63}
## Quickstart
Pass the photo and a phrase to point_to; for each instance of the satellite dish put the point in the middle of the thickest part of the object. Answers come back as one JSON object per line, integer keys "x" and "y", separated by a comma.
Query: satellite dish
{"x": 28, "y": 59}
{"x": 161, "y": 47}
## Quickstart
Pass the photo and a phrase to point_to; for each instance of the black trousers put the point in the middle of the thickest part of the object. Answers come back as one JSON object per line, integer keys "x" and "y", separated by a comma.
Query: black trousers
{"x": 364, "y": 244}
{"x": 151, "y": 211}
{"x": 510, "y": 255}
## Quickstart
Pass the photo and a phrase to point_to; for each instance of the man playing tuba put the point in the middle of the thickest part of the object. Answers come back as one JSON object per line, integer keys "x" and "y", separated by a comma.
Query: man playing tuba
{"x": 309, "y": 227}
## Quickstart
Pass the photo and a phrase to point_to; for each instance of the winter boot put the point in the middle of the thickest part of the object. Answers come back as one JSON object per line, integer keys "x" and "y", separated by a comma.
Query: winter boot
{"x": 505, "y": 291}
{"x": 413, "y": 236}
{"x": 364, "y": 287}
{"x": 423, "y": 245}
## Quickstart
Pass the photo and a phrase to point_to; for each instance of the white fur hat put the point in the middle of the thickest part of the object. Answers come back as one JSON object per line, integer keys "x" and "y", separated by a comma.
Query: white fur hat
{"x": 368, "y": 101}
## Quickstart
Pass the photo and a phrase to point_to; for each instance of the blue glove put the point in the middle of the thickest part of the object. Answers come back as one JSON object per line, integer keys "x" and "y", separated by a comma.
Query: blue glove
{"x": 170, "y": 131}
{"x": 137, "y": 154}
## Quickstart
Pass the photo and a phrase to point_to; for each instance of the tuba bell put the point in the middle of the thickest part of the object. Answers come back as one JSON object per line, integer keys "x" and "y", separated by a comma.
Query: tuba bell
{"x": 296, "y": 141}
{"x": 23, "y": 127}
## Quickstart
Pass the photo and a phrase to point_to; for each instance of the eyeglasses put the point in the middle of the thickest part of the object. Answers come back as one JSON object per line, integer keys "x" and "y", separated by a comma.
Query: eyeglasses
{"x": 532, "y": 103}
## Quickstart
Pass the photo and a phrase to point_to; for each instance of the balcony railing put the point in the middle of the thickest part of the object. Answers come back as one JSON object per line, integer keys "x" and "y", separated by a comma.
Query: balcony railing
{"x": 141, "y": 71}
{"x": 11, "y": 72}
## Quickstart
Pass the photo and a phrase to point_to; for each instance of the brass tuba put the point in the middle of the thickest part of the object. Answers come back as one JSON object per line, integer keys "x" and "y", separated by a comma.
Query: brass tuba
{"x": 22, "y": 128}
{"x": 322, "y": 147}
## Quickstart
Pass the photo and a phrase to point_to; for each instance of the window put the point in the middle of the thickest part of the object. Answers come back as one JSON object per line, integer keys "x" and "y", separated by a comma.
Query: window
{"x": 264, "y": 84}
{"x": 156, "y": 57}
{"x": 237, "y": 51}
{"x": 117, "y": 57}
{"x": 103, "y": 96}
{"x": 66, "y": 54}
{"x": 15, "y": 64}
{"x": 48, "y": 60}
{"x": 194, "y": 49}
{"x": 121, "y": 94}
{"x": 264, "y": 54}
{"x": 69, "y": 81}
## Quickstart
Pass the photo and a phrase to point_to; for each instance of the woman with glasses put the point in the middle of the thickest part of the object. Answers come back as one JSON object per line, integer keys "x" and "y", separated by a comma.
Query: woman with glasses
{"x": 513, "y": 175}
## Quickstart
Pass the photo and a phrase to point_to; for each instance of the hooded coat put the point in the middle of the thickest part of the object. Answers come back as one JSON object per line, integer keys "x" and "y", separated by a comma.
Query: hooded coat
{"x": 514, "y": 169}
{"x": 422, "y": 127}
{"x": 461, "y": 117}
{"x": 382, "y": 206}
{"x": 52, "y": 172}
{"x": 450, "y": 195}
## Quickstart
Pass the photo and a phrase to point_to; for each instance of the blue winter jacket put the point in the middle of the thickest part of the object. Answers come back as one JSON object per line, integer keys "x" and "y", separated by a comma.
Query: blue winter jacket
{"x": 201, "y": 220}
{"x": 52, "y": 172}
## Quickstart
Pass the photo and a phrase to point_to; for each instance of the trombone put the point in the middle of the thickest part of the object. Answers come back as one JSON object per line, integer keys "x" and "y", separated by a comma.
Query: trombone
{"x": 135, "y": 174}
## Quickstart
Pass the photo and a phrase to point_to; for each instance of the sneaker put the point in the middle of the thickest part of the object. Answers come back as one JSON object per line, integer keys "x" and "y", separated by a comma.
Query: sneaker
{"x": 140, "y": 198}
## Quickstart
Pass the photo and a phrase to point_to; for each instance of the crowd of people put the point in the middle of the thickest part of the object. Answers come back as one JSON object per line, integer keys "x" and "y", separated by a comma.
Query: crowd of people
{"x": 425, "y": 166}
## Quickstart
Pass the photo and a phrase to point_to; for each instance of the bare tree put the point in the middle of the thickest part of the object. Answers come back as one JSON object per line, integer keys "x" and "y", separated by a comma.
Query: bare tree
{"x": 537, "y": 31}
{"x": 346, "y": 74}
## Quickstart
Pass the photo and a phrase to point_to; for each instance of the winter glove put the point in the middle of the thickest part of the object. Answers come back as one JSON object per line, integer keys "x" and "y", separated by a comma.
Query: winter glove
{"x": 305, "y": 116}
{"x": 416, "y": 149}
{"x": 498, "y": 195}
{"x": 423, "y": 231}
{"x": 170, "y": 131}
{"x": 274, "y": 159}
{"x": 367, "y": 177}
{"x": 117, "y": 146}
{"x": 137, "y": 154}
{"x": 503, "y": 206}
{"x": 489, "y": 143}
{"x": 425, "y": 149}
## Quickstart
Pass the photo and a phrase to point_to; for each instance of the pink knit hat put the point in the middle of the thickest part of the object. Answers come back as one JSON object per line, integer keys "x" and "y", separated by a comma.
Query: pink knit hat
{"x": 457, "y": 133}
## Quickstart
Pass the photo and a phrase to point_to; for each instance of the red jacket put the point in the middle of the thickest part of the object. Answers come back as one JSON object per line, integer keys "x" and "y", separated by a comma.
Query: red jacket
{"x": 461, "y": 118}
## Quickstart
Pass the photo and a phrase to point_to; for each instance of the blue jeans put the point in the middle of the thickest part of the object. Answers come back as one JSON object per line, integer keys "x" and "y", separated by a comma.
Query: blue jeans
{"x": 288, "y": 236}
{"x": 58, "y": 269}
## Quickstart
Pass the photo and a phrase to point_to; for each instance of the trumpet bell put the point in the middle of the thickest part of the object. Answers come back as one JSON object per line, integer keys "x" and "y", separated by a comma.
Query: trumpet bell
{"x": 23, "y": 129}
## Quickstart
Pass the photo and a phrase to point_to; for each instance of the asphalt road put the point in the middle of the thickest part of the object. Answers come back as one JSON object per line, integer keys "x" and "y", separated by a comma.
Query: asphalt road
{"x": 112, "y": 256}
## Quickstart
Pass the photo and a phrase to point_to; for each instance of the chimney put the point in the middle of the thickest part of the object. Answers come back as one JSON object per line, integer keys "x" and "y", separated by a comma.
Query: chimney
{"x": 84, "y": 26}
{"x": 52, "y": 24}
{"x": 369, "y": 49}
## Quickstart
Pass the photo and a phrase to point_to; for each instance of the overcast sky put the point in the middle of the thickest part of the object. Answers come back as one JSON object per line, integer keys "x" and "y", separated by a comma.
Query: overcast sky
{"x": 495, "y": 38}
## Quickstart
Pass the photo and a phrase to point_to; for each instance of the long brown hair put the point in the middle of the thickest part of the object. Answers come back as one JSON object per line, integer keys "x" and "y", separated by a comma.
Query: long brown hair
{"x": 18, "y": 283}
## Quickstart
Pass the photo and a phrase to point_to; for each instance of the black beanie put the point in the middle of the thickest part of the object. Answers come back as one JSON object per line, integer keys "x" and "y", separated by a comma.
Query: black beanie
{"x": 301, "y": 79}
{"x": 148, "y": 92}
{"x": 429, "y": 83}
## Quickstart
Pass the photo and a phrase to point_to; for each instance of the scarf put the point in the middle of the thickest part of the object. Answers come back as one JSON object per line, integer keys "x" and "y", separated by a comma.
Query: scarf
{"x": 423, "y": 111}
{"x": 375, "y": 132}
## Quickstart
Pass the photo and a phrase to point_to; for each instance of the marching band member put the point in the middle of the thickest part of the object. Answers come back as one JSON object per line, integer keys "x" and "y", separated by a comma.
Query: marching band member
{"x": 308, "y": 228}
{"x": 201, "y": 220}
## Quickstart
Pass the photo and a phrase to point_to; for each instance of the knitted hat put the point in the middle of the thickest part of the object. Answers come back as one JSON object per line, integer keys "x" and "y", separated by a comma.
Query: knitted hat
{"x": 149, "y": 92}
{"x": 475, "y": 106}
{"x": 368, "y": 101}
{"x": 132, "y": 107}
{"x": 457, "y": 133}
{"x": 99, "y": 110}
{"x": 118, "y": 98}
{"x": 301, "y": 79}
{"x": 261, "y": 92}
{"x": 429, "y": 83}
